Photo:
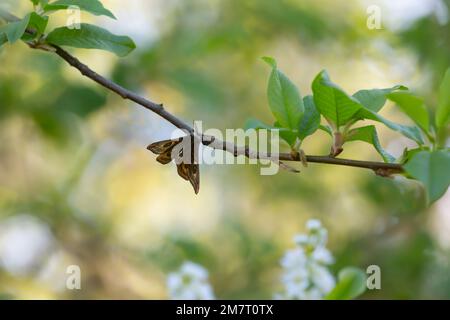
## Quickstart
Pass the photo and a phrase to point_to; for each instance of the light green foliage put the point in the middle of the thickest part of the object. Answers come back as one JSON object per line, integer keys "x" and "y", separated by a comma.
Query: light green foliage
{"x": 433, "y": 170}
{"x": 332, "y": 102}
{"x": 443, "y": 109}
{"x": 311, "y": 119}
{"x": 290, "y": 136}
{"x": 284, "y": 98}
{"x": 342, "y": 112}
{"x": 351, "y": 284}
{"x": 286, "y": 134}
{"x": 15, "y": 30}
{"x": 341, "y": 109}
{"x": 91, "y": 37}
{"x": 256, "y": 124}
{"x": 410, "y": 132}
{"x": 38, "y": 22}
{"x": 92, "y": 6}
{"x": 369, "y": 134}
{"x": 87, "y": 37}
{"x": 375, "y": 99}
{"x": 414, "y": 107}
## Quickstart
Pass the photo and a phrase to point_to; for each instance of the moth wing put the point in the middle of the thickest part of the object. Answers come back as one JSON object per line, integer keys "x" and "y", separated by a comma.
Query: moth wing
{"x": 194, "y": 176}
{"x": 165, "y": 158}
{"x": 163, "y": 146}
{"x": 191, "y": 173}
{"x": 183, "y": 171}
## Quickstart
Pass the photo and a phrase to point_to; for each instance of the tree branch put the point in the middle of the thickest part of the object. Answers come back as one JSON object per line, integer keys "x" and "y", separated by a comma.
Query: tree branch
{"x": 380, "y": 168}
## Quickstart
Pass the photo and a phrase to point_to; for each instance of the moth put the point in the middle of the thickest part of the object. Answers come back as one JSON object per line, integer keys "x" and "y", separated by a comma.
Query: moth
{"x": 188, "y": 170}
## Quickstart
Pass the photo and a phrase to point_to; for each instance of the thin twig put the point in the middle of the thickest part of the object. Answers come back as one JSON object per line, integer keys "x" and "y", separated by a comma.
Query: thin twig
{"x": 380, "y": 168}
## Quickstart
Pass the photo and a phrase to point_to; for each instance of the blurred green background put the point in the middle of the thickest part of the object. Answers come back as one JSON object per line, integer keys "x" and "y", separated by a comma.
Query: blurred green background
{"x": 77, "y": 185}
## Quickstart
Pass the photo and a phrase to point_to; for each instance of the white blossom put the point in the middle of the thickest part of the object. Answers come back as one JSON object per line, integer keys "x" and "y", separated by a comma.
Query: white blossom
{"x": 305, "y": 273}
{"x": 190, "y": 282}
{"x": 322, "y": 256}
{"x": 313, "y": 225}
{"x": 25, "y": 243}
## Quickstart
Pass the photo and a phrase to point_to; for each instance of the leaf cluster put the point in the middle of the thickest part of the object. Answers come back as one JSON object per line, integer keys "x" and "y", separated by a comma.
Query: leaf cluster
{"x": 33, "y": 26}
{"x": 298, "y": 117}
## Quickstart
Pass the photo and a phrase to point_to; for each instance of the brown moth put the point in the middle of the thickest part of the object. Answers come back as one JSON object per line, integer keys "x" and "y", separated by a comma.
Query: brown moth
{"x": 188, "y": 171}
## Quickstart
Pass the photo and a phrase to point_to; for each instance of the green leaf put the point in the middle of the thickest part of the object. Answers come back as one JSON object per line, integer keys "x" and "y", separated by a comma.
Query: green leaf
{"x": 15, "y": 30}
{"x": 408, "y": 154}
{"x": 257, "y": 124}
{"x": 443, "y": 109}
{"x": 38, "y": 22}
{"x": 369, "y": 134}
{"x": 92, "y": 6}
{"x": 375, "y": 99}
{"x": 91, "y": 37}
{"x": 270, "y": 61}
{"x": 432, "y": 169}
{"x": 284, "y": 98}
{"x": 339, "y": 108}
{"x": 310, "y": 121}
{"x": 412, "y": 133}
{"x": 413, "y": 107}
{"x": 287, "y": 135}
{"x": 332, "y": 102}
{"x": 351, "y": 284}
{"x": 326, "y": 129}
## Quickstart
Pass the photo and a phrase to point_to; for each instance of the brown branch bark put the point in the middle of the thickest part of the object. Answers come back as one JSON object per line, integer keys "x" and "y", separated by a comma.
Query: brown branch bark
{"x": 380, "y": 168}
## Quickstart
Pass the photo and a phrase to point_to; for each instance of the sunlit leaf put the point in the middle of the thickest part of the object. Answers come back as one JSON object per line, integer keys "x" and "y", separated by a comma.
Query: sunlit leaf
{"x": 369, "y": 134}
{"x": 443, "y": 110}
{"x": 92, "y": 6}
{"x": 38, "y": 22}
{"x": 310, "y": 121}
{"x": 432, "y": 169}
{"x": 288, "y": 135}
{"x": 375, "y": 99}
{"x": 15, "y": 30}
{"x": 408, "y": 154}
{"x": 257, "y": 124}
{"x": 351, "y": 284}
{"x": 326, "y": 129}
{"x": 413, "y": 107}
{"x": 285, "y": 134}
{"x": 91, "y": 37}
{"x": 332, "y": 102}
{"x": 412, "y": 133}
{"x": 284, "y": 98}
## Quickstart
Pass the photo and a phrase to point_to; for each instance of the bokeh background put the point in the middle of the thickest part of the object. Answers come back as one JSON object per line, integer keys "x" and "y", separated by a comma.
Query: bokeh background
{"x": 77, "y": 185}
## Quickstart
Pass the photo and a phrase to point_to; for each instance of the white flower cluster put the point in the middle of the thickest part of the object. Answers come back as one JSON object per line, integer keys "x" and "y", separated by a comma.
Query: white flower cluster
{"x": 190, "y": 282}
{"x": 305, "y": 275}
